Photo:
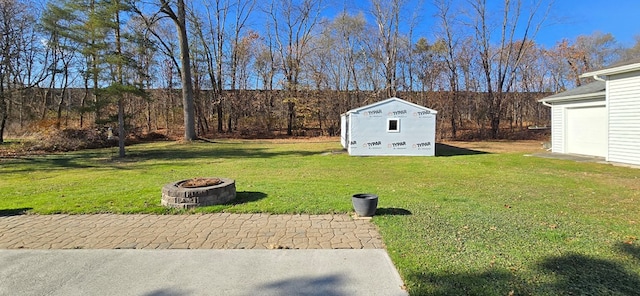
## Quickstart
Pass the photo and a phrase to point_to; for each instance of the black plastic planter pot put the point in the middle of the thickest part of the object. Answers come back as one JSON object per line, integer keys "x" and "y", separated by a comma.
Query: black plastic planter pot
{"x": 365, "y": 204}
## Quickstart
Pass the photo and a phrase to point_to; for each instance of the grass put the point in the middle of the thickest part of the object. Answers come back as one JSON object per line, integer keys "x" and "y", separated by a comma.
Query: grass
{"x": 464, "y": 223}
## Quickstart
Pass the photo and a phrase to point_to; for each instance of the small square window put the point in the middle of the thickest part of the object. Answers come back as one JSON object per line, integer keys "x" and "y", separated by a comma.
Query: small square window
{"x": 393, "y": 125}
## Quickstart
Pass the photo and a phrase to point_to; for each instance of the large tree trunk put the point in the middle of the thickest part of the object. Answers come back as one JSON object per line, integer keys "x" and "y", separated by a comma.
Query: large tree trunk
{"x": 187, "y": 86}
{"x": 121, "y": 131}
{"x": 495, "y": 126}
{"x": 179, "y": 19}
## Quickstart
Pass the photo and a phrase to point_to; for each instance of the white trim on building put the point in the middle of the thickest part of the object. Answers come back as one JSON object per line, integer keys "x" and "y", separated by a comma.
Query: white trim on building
{"x": 601, "y": 118}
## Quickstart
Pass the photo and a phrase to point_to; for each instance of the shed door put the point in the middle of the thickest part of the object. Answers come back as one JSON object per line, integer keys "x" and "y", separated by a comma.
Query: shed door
{"x": 587, "y": 131}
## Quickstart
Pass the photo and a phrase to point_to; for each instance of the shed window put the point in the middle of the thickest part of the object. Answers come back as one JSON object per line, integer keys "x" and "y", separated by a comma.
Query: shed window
{"x": 393, "y": 125}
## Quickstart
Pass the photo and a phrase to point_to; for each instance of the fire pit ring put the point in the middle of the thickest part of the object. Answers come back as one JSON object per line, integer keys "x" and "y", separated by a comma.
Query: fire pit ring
{"x": 174, "y": 195}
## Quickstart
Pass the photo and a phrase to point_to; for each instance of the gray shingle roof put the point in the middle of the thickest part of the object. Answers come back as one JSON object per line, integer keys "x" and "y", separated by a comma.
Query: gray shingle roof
{"x": 591, "y": 88}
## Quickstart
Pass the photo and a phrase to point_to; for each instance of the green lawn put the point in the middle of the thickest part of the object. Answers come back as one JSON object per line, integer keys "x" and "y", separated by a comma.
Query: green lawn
{"x": 465, "y": 223}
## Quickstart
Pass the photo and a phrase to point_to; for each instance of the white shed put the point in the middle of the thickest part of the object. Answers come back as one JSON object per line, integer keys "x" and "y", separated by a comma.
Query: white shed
{"x": 601, "y": 118}
{"x": 389, "y": 127}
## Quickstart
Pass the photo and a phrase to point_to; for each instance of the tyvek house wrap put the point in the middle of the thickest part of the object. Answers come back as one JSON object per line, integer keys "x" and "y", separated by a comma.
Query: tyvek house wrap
{"x": 389, "y": 127}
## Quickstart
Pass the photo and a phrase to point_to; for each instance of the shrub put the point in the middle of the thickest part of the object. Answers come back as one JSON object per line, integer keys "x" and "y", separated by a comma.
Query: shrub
{"x": 72, "y": 139}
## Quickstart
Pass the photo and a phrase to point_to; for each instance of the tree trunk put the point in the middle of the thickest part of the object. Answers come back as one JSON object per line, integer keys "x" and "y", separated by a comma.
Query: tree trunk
{"x": 61, "y": 101}
{"x": 454, "y": 103}
{"x": 3, "y": 114}
{"x": 229, "y": 119}
{"x": 495, "y": 125}
{"x": 121, "y": 131}
{"x": 83, "y": 101}
{"x": 185, "y": 62}
{"x": 291, "y": 106}
{"x": 187, "y": 85}
{"x": 220, "y": 119}
{"x": 149, "y": 116}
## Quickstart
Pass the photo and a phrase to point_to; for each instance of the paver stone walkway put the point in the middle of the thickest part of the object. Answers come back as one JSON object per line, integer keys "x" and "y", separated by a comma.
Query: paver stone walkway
{"x": 200, "y": 231}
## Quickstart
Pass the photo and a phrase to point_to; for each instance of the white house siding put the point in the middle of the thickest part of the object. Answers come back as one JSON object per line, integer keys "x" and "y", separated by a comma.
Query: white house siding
{"x": 557, "y": 129}
{"x": 624, "y": 118}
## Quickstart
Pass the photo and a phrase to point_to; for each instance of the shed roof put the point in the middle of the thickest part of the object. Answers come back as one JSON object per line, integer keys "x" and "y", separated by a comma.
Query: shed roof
{"x": 383, "y": 102}
{"x": 593, "y": 90}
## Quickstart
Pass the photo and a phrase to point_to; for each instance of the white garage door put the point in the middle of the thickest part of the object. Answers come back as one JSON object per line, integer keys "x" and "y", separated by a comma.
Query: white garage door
{"x": 587, "y": 131}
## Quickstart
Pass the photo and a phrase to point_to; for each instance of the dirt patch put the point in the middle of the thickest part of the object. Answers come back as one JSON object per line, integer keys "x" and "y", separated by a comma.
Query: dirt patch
{"x": 200, "y": 182}
{"x": 530, "y": 146}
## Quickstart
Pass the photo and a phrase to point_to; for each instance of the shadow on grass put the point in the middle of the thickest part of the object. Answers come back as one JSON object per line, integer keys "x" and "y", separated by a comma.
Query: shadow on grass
{"x": 97, "y": 159}
{"x": 577, "y": 274}
{"x": 14, "y": 212}
{"x": 633, "y": 250}
{"x": 216, "y": 151}
{"x": 490, "y": 282}
{"x": 572, "y": 274}
{"x": 49, "y": 162}
{"x": 392, "y": 212}
{"x": 243, "y": 197}
{"x": 448, "y": 150}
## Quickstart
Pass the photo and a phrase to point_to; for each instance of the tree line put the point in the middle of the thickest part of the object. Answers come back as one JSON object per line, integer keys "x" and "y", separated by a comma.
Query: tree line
{"x": 281, "y": 66}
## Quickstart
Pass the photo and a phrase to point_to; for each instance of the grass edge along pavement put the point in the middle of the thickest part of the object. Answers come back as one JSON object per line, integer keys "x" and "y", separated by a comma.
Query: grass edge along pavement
{"x": 466, "y": 223}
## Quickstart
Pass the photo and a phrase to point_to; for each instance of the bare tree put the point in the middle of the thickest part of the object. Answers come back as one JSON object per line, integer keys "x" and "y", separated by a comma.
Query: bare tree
{"x": 28, "y": 71}
{"x": 265, "y": 67}
{"x": 342, "y": 45}
{"x": 179, "y": 18}
{"x": 145, "y": 52}
{"x": 15, "y": 19}
{"x": 178, "y": 15}
{"x": 217, "y": 25}
{"x": 451, "y": 61}
{"x": 293, "y": 24}
{"x": 500, "y": 62}
{"x": 387, "y": 17}
{"x": 239, "y": 51}
{"x": 632, "y": 52}
{"x": 571, "y": 58}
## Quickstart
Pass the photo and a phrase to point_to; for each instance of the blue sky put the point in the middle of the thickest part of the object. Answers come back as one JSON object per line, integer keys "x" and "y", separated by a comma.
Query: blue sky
{"x": 567, "y": 19}
{"x": 582, "y": 17}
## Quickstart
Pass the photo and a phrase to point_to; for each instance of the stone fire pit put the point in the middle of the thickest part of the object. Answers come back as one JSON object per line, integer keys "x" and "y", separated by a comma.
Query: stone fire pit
{"x": 198, "y": 192}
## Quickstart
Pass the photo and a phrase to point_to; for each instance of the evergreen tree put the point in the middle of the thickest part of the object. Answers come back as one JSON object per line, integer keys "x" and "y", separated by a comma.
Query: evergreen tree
{"x": 96, "y": 29}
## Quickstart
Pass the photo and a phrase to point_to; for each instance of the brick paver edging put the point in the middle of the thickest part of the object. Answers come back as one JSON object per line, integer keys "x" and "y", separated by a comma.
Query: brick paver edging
{"x": 200, "y": 231}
